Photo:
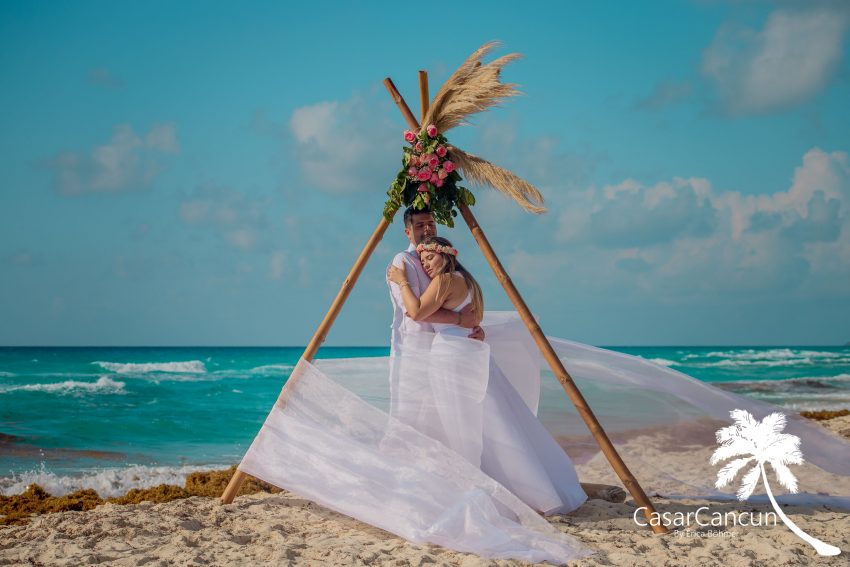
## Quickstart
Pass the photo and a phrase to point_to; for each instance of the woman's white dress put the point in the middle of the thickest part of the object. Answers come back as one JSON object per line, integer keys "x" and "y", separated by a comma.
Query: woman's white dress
{"x": 516, "y": 450}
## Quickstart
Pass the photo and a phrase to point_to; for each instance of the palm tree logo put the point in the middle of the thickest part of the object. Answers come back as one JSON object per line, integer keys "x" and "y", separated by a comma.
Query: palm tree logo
{"x": 764, "y": 442}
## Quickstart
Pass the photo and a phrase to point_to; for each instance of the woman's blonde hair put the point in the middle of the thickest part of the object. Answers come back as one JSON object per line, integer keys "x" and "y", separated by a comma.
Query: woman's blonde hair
{"x": 451, "y": 265}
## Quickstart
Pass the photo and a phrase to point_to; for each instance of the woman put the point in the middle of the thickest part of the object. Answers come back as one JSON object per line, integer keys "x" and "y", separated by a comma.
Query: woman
{"x": 500, "y": 433}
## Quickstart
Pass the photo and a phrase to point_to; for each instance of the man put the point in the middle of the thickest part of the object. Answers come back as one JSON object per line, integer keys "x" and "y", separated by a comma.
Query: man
{"x": 419, "y": 224}
{"x": 412, "y": 399}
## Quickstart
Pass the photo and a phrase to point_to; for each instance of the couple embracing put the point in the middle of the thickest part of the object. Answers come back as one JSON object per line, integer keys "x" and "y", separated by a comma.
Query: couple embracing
{"x": 475, "y": 390}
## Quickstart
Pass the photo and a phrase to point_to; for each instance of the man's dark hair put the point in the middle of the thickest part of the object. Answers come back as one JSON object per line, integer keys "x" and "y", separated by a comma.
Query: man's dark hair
{"x": 410, "y": 211}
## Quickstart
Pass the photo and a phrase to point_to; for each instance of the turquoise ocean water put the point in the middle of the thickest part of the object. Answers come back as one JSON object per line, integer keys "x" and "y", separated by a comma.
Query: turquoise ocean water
{"x": 116, "y": 418}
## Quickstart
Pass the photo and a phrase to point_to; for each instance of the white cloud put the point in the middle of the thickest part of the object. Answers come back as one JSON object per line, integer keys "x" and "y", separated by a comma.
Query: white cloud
{"x": 314, "y": 123}
{"x": 21, "y": 258}
{"x": 631, "y": 215}
{"x": 792, "y": 59}
{"x": 685, "y": 239}
{"x": 821, "y": 181}
{"x": 103, "y": 77}
{"x": 277, "y": 264}
{"x": 238, "y": 218}
{"x": 244, "y": 238}
{"x": 666, "y": 93}
{"x": 347, "y": 146}
{"x": 126, "y": 162}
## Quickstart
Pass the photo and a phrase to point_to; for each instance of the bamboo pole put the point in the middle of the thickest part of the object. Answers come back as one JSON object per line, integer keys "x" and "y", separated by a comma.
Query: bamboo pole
{"x": 402, "y": 106}
{"x": 626, "y": 477}
{"x": 424, "y": 101}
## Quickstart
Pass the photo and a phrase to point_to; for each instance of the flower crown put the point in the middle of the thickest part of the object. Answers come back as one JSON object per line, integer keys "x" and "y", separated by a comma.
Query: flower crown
{"x": 434, "y": 247}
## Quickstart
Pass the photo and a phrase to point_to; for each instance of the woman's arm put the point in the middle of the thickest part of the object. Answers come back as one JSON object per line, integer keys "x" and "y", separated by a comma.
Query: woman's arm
{"x": 432, "y": 299}
{"x": 418, "y": 308}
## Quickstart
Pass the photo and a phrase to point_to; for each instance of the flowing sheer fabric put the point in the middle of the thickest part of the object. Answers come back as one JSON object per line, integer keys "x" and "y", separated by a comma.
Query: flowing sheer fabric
{"x": 325, "y": 443}
{"x": 395, "y": 441}
{"x": 663, "y": 424}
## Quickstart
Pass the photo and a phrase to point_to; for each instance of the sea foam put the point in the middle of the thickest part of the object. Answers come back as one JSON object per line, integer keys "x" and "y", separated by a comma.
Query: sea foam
{"x": 107, "y": 482}
{"x": 190, "y": 366}
{"x": 771, "y": 357}
{"x": 663, "y": 361}
{"x": 104, "y": 385}
{"x": 272, "y": 369}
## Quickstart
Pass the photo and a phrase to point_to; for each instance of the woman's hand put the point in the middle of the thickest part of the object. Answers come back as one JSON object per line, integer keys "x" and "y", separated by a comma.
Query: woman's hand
{"x": 397, "y": 275}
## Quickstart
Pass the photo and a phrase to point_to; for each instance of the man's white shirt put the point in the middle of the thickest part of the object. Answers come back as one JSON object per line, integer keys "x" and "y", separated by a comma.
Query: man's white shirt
{"x": 419, "y": 281}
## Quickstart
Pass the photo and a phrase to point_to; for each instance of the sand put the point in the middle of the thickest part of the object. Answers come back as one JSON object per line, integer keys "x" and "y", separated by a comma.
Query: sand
{"x": 283, "y": 529}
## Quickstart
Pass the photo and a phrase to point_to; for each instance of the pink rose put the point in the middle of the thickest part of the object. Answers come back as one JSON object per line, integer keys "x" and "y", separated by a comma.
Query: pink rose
{"x": 414, "y": 161}
{"x": 412, "y": 172}
{"x": 432, "y": 130}
{"x": 434, "y": 179}
{"x": 424, "y": 175}
{"x": 423, "y": 188}
{"x": 409, "y": 135}
{"x": 439, "y": 182}
{"x": 441, "y": 151}
{"x": 448, "y": 166}
{"x": 442, "y": 174}
{"x": 418, "y": 146}
{"x": 434, "y": 161}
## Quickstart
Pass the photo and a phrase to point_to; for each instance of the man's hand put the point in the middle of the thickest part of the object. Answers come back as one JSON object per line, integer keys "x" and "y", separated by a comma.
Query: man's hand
{"x": 477, "y": 333}
{"x": 468, "y": 317}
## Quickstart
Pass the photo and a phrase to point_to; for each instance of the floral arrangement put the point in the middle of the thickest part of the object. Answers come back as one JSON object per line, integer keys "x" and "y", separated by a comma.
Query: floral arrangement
{"x": 428, "y": 177}
{"x": 430, "y": 167}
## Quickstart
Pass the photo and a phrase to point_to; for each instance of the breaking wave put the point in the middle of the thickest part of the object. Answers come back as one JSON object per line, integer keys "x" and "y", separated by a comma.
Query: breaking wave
{"x": 107, "y": 482}
{"x": 190, "y": 366}
{"x": 104, "y": 385}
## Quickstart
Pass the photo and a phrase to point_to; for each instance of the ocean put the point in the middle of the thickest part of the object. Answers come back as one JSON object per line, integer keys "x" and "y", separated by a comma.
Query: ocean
{"x": 119, "y": 418}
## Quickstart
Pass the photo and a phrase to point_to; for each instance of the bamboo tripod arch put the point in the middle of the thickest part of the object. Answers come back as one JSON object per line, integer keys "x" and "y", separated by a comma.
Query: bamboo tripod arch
{"x": 555, "y": 364}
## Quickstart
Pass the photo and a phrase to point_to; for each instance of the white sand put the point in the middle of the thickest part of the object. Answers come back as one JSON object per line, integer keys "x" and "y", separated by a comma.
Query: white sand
{"x": 282, "y": 529}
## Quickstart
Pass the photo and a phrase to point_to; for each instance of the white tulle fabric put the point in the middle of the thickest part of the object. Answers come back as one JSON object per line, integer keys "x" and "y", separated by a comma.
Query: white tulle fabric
{"x": 663, "y": 424}
{"x": 324, "y": 443}
{"x": 360, "y": 437}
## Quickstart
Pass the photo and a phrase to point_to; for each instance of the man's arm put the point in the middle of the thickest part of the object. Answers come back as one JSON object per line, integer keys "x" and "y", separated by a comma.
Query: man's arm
{"x": 468, "y": 317}
{"x": 449, "y": 317}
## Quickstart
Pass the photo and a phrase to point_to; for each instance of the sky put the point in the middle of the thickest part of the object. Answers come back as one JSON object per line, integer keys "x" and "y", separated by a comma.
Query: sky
{"x": 199, "y": 173}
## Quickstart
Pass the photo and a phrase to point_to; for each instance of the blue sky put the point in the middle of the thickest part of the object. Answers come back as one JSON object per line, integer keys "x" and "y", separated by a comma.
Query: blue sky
{"x": 201, "y": 173}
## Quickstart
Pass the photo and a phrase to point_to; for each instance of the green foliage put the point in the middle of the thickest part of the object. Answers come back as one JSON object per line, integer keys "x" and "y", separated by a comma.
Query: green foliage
{"x": 443, "y": 201}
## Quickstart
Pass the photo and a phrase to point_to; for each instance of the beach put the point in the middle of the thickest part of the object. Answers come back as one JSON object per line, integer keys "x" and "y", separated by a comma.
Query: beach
{"x": 281, "y": 529}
